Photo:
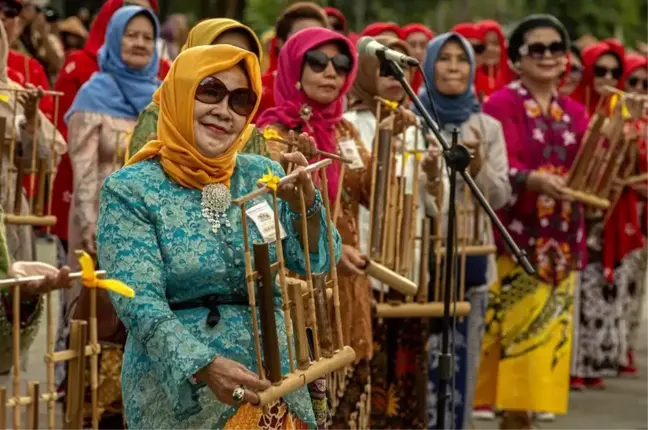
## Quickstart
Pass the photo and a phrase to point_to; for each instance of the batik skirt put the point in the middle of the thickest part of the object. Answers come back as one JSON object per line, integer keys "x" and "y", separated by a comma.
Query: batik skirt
{"x": 525, "y": 360}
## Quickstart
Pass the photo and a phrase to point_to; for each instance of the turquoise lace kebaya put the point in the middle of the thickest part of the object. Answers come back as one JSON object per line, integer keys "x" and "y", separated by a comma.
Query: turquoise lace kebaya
{"x": 152, "y": 236}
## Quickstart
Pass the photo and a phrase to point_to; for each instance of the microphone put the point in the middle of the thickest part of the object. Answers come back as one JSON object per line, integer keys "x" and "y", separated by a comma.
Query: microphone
{"x": 369, "y": 46}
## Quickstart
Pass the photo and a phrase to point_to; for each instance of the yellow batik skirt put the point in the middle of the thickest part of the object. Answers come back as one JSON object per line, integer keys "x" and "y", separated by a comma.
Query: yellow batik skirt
{"x": 274, "y": 417}
{"x": 526, "y": 348}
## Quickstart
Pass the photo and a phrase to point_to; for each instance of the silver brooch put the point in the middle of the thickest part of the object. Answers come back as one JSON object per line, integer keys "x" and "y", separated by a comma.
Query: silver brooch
{"x": 216, "y": 199}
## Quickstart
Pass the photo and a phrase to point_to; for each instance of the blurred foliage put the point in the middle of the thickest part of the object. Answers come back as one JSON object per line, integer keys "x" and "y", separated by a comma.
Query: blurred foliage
{"x": 626, "y": 19}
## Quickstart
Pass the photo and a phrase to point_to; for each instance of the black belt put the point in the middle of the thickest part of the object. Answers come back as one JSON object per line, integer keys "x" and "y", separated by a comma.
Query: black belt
{"x": 211, "y": 303}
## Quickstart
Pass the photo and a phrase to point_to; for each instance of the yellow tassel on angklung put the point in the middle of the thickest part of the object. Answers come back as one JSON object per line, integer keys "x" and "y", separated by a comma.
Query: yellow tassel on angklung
{"x": 90, "y": 279}
{"x": 624, "y": 110}
{"x": 271, "y": 134}
{"x": 270, "y": 180}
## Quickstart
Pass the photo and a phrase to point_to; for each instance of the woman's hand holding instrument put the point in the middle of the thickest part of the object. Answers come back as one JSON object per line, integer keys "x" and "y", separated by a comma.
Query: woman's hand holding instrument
{"x": 228, "y": 380}
{"x": 352, "y": 262}
{"x": 288, "y": 189}
{"x": 303, "y": 143}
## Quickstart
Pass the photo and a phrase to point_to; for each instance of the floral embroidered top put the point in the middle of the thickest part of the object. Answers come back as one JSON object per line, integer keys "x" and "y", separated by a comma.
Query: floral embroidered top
{"x": 152, "y": 236}
{"x": 146, "y": 129}
{"x": 550, "y": 231}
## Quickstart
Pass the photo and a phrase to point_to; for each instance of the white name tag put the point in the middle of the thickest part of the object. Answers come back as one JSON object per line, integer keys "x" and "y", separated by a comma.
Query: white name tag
{"x": 350, "y": 151}
{"x": 263, "y": 218}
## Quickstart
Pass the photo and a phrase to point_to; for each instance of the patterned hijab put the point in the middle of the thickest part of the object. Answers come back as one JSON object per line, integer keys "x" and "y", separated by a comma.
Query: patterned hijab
{"x": 290, "y": 99}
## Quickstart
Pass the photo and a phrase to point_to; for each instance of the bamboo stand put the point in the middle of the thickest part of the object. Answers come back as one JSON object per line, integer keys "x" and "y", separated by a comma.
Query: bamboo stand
{"x": 83, "y": 344}
{"x": 41, "y": 171}
{"x": 302, "y": 309}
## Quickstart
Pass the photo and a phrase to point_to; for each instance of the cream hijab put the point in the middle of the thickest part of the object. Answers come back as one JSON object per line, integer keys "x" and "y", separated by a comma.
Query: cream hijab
{"x": 46, "y": 129}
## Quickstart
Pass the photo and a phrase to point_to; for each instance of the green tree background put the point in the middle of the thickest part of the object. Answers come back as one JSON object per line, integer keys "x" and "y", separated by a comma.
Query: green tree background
{"x": 624, "y": 19}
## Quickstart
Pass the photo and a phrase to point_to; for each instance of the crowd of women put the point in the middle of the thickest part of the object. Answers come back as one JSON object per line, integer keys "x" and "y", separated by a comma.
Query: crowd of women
{"x": 153, "y": 152}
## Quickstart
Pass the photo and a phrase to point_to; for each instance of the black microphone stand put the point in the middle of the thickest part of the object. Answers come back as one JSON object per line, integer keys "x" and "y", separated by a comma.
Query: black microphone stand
{"x": 457, "y": 159}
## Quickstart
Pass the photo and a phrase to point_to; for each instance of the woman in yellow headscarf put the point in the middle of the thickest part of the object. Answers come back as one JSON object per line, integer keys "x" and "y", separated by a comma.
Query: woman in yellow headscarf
{"x": 167, "y": 228}
{"x": 208, "y": 32}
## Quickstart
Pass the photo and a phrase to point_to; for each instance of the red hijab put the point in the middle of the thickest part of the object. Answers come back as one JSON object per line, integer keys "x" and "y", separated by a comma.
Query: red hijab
{"x": 632, "y": 62}
{"x": 290, "y": 99}
{"x": 502, "y": 74}
{"x": 469, "y": 31}
{"x": 377, "y": 28}
{"x": 331, "y": 11}
{"x": 409, "y": 29}
{"x": 584, "y": 93}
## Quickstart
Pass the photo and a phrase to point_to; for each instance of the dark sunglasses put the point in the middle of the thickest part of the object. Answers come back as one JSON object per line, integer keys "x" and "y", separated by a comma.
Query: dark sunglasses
{"x": 10, "y": 9}
{"x": 479, "y": 48}
{"x": 634, "y": 81}
{"x": 576, "y": 70}
{"x": 538, "y": 50}
{"x": 212, "y": 91}
{"x": 601, "y": 72}
{"x": 319, "y": 61}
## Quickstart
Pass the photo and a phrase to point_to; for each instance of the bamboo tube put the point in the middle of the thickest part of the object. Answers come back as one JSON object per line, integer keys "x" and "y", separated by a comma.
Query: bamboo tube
{"x": 465, "y": 238}
{"x": 374, "y": 174}
{"x": 18, "y": 194}
{"x": 321, "y": 311}
{"x": 337, "y": 208}
{"x": 12, "y": 282}
{"x": 380, "y": 207}
{"x": 324, "y": 154}
{"x": 40, "y": 196}
{"x": 590, "y": 141}
{"x": 390, "y": 219}
{"x": 33, "y": 220}
{"x": 423, "y": 289}
{"x": 439, "y": 243}
{"x": 300, "y": 378}
{"x": 391, "y": 278}
{"x": 271, "y": 351}
{"x": 249, "y": 279}
{"x": 76, "y": 376}
{"x": 632, "y": 180}
{"x": 94, "y": 360}
{"x": 588, "y": 199}
{"x": 32, "y": 414}
{"x": 299, "y": 321}
{"x": 420, "y": 310}
{"x": 282, "y": 283}
{"x": 3, "y": 410}
{"x": 309, "y": 273}
{"x": 265, "y": 190}
{"x": 16, "y": 355}
{"x": 52, "y": 170}
{"x": 3, "y": 128}
{"x": 34, "y": 156}
{"x": 331, "y": 250}
{"x": 51, "y": 390}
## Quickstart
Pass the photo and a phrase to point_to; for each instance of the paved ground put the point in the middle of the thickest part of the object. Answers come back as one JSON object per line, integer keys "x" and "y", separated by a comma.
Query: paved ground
{"x": 623, "y": 405}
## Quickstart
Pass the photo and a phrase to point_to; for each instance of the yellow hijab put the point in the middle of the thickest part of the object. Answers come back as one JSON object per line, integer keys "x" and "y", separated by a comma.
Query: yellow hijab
{"x": 175, "y": 146}
{"x": 205, "y": 32}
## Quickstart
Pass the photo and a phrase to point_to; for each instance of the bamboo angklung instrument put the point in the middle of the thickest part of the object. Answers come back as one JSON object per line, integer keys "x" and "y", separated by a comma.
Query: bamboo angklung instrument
{"x": 383, "y": 211}
{"x": 40, "y": 170}
{"x": 76, "y": 354}
{"x": 597, "y": 165}
{"x": 296, "y": 302}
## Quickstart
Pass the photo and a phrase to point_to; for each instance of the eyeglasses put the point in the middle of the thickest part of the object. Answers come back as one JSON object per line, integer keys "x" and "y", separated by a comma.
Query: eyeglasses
{"x": 319, "y": 61}
{"x": 538, "y": 50}
{"x": 10, "y": 9}
{"x": 634, "y": 82}
{"x": 601, "y": 72}
{"x": 212, "y": 91}
{"x": 479, "y": 48}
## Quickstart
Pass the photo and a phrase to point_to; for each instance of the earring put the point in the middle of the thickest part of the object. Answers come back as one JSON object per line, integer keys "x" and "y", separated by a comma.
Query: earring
{"x": 298, "y": 86}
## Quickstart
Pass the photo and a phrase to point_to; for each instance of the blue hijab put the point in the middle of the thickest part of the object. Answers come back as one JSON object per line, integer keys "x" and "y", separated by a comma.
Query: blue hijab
{"x": 450, "y": 109}
{"x": 116, "y": 89}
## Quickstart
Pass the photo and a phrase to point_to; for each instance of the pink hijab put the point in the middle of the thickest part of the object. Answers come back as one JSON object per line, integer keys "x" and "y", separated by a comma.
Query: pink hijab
{"x": 289, "y": 98}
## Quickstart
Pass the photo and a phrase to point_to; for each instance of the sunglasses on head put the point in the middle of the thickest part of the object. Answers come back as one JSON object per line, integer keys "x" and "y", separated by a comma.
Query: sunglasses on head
{"x": 319, "y": 61}
{"x": 601, "y": 72}
{"x": 634, "y": 82}
{"x": 212, "y": 91}
{"x": 538, "y": 50}
{"x": 10, "y": 9}
{"x": 479, "y": 48}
